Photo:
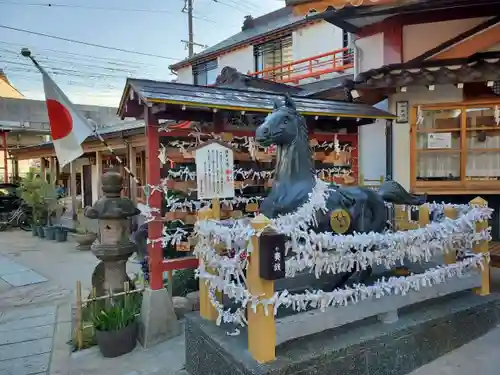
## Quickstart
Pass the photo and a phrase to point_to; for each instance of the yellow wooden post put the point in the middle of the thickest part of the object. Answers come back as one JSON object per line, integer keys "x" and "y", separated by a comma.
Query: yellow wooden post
{"x": 361, "y": 180}
{"x": 450, "y": 256}
{"x": 261, "y": 327}
{"x": 207, "y": 310}
{"x": 423, "y": 215}
{"x": 482, "y": 247}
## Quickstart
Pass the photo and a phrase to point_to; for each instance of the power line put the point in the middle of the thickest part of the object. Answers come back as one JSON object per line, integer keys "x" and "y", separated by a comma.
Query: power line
{"x": 108, "y": 60}
{"x": 235, "y": 5}
{"x": 87, "y": 43}
{"x": 97, "y": 8}
{"x": 70, "y": 63}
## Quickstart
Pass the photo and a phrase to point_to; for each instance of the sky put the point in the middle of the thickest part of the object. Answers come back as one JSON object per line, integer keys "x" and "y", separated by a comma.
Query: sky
{"x": 90, "y": 75}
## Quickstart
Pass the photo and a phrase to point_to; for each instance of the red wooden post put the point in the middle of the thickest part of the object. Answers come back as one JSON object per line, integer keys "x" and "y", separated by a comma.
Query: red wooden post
{"x": 153, "y": 166}
{"x": 5, "y": 160}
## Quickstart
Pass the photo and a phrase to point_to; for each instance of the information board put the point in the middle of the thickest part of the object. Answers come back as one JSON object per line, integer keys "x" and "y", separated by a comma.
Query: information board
{"x": 214, "y": 171}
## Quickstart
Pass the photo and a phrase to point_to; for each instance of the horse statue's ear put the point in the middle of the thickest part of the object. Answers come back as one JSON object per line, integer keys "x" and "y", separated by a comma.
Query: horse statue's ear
{"x": 277, "y": 104}
{"x": 289, "y": 102}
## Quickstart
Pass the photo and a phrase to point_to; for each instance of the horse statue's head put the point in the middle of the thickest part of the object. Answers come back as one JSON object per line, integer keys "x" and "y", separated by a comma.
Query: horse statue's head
{"x": 282, "y": 126}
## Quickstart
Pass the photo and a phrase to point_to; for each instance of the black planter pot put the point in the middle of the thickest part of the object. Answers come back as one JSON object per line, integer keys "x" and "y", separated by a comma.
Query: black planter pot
{"x": 61, "y": 235}
{"x": 50, "y": 233}
{"x": 34, "y": 230}
{"x": 41, "y": 232}
{"x": 116, "y": 343}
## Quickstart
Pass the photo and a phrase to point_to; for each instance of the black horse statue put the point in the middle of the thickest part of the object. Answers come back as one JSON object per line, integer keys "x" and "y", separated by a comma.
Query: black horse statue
{"x": 295, "y": 178}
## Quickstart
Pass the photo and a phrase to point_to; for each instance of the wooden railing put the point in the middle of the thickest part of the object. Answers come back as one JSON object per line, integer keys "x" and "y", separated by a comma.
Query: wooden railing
{"x": 311, "y": 67}
{"x": 262, "y": 324}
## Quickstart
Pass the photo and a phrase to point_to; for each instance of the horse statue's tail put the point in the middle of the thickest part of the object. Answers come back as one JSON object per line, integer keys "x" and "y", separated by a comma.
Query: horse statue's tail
{"x": 392, "y": 192}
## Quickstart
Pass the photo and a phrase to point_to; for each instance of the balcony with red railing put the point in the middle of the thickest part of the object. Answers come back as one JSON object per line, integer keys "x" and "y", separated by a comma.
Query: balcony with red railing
{"x": 315, "y": 67}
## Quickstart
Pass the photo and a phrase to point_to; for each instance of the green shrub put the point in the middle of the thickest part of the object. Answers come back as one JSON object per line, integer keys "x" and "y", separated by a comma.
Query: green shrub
{"x": 184, "y": 283}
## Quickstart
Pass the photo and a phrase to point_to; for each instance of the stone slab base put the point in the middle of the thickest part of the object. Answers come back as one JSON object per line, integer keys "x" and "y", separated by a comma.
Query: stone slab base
{"x": 423, "y": 333}
{"x": 158, "y": 320}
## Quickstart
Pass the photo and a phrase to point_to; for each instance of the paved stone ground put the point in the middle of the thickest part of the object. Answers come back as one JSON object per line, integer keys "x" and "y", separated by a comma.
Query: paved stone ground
{"x": 477, "y": 357}
{"x": 26, "y": 337}
{"x": 166, "y": 358}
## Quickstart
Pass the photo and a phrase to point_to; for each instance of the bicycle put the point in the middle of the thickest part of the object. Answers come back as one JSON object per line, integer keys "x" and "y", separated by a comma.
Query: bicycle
{"x": 20, "y": 218}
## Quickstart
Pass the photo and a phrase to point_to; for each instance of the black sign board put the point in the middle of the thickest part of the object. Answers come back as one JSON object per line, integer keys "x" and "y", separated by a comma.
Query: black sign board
{"x": 272, "y": 255}
{"x": 414, "y": 214}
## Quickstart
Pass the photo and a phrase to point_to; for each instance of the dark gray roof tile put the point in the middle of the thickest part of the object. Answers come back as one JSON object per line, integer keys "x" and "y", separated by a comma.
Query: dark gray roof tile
{"x": 257, "y": 101}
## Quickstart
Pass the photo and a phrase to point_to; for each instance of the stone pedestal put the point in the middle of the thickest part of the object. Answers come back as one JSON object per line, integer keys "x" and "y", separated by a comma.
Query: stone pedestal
{"x": 422, "y": 334}
{"x": 158, "y": 319}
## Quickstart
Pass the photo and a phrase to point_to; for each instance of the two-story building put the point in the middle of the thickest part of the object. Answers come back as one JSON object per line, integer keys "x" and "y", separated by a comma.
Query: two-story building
{"x": 279, "y": 46}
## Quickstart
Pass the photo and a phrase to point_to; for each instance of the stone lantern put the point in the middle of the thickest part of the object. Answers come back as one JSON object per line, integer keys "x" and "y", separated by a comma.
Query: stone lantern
{"x": 113, "y": 245}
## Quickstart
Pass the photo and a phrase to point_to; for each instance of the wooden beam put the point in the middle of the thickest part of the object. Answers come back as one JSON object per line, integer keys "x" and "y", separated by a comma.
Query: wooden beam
{"x": 393, "y": 44}
{"x": 72, "y": 187}
{"x": 440, "y": 15}
{"x": 322, "y": 5}
{"x": 474, "y": 44}
{"x": 43, "y": 173}
{"x": 52, "y": 170}
{"x": 179, "y": 115}
{"x": 98, "y": 164}
{"x": 132, "y": 165}
{"x": 155, "y": 227}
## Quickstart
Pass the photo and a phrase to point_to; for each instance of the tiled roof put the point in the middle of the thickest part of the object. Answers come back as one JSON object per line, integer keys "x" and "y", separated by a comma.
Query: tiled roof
{"x": 242, "y": 100}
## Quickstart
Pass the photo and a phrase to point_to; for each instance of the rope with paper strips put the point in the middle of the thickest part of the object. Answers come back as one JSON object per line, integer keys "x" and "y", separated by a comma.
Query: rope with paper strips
{"x": 309, "y": 250}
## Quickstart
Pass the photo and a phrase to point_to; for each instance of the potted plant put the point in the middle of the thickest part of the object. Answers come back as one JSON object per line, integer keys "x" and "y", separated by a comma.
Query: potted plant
{"x": 31, "y": 192}
{"x": 84, "y": 238}
{"x": 116, "y": 326}
{"x": 51, "y": 208}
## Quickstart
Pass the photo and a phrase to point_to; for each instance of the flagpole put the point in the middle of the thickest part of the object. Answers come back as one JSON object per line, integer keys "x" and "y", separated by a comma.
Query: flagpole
{"x": 27, "y": 53}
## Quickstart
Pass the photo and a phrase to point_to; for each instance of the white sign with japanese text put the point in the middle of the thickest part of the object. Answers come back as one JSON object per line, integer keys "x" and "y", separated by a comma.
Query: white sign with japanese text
{"x": 214, "y": 171}
{"x": 439, "y": 140}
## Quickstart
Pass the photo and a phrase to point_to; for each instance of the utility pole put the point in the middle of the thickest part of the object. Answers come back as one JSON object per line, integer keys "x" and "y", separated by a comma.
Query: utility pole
{"x": 190, "y": 43}
{"x": 190, "y": 28}
{"x": 188, "y": 8}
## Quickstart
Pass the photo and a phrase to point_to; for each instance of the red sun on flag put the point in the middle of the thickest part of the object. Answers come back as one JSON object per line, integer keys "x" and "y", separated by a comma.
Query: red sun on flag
{"x": 61, "y": 122}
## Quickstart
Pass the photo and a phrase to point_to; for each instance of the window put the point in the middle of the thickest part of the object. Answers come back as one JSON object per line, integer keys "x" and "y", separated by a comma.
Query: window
{"x": 271, "y": 54}
{"x": 457, "y": 144}
{"x": 346, "y": 43}
{"x": 206, "y": 73}
{"x": 483, "y": 144}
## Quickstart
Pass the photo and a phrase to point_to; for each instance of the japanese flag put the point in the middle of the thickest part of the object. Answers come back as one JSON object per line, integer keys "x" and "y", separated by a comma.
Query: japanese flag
{"x": 68, "y": 127}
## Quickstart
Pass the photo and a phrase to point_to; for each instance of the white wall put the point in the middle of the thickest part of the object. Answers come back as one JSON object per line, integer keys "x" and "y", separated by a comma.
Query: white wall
{"x": 315, "y": 40}
{"x": 242, "y": 60}
{"x": 401, "y": 132}
{"x": 185, "y": 75}
{"x": 370, "y": 52}
{"x": 372, "y": 150}
{"x": 420, "y": 38}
